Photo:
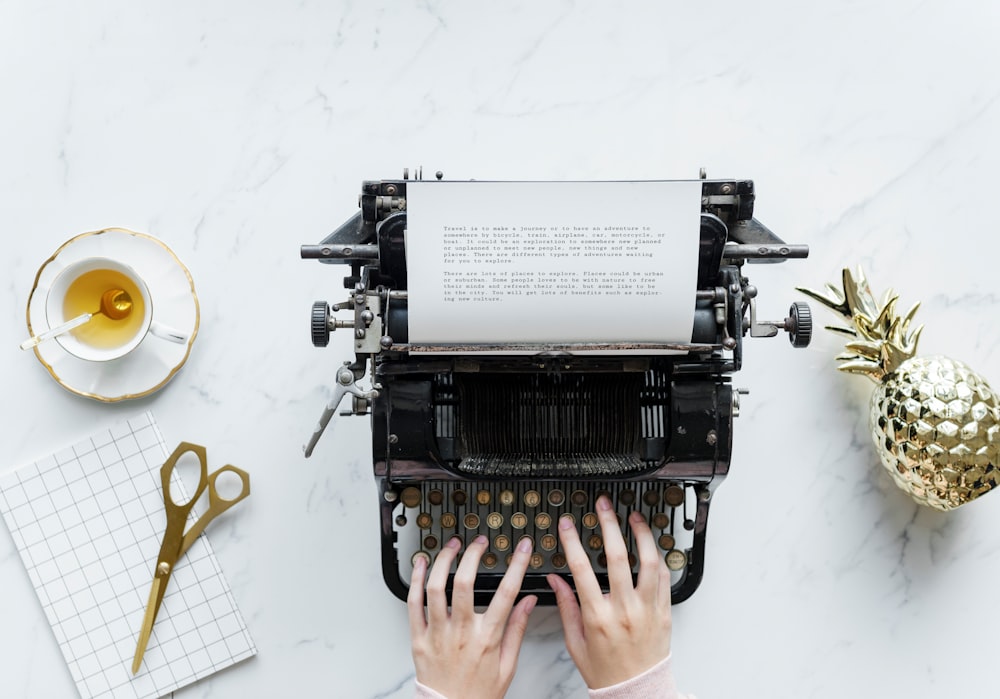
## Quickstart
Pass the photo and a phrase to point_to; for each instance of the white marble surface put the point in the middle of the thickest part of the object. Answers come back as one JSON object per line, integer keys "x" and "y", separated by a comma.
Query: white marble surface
{"x": 237, "y": 131}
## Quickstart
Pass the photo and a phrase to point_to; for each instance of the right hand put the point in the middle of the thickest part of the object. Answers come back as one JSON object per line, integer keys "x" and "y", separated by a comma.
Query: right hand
{"x": 614, "y": 637}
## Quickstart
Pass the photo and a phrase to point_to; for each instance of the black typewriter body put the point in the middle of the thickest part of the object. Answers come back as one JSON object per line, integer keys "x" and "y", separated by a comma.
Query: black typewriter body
{"x": 504, "y": 444}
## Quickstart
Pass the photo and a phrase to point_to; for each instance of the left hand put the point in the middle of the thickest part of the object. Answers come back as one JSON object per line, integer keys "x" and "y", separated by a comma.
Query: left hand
{"x": 461, "y": 654}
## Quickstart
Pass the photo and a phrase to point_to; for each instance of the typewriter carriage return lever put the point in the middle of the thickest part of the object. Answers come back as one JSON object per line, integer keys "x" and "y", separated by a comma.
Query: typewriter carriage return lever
{"x": 504, "y": 444}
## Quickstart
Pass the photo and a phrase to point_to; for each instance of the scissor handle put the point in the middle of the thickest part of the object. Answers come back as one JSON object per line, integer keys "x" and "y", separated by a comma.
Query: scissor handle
{"x": 216, "y": 503}
{"x": 170, "y": 464}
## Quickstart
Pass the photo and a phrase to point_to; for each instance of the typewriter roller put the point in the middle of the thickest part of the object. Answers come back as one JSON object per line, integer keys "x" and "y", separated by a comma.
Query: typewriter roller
{"x": 502, "y": 440}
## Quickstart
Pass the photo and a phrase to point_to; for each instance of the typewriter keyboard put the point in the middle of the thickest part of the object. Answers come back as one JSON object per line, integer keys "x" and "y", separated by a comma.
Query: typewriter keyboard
{"x": 430, "y": 513}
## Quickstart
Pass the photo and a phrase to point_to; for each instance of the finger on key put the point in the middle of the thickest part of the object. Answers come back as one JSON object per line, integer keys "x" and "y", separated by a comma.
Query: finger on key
{"x": 415, "y": 598}
{"x": 462, "y": 597}
{"x": 619, "y": 570}
{"x": 649, "y": 559}
{"x": 587, "y": 588}
{"x": 437, "y": 600}
{"x": 503, "y": 599}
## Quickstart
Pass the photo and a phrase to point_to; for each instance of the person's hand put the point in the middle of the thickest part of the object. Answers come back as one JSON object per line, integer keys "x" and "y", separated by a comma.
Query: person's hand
{"x": 464, "y": 655}
{"x": 616, "y": 636}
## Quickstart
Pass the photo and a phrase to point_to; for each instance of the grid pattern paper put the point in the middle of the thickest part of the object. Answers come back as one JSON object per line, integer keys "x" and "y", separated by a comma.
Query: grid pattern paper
{"x": 88, "y": 523}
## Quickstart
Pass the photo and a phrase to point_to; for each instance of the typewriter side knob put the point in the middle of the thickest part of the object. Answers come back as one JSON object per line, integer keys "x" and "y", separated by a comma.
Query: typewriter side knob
{"x": 800, "y": 325}
{"x": 320, "y": 324}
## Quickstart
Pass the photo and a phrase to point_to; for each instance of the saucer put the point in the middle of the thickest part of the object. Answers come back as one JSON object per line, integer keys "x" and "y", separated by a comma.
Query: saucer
{"x": 154, "y": 362}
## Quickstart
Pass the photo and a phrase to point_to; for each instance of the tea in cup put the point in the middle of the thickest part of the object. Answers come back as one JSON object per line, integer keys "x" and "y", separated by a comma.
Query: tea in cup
{"x": 78, "y": 289}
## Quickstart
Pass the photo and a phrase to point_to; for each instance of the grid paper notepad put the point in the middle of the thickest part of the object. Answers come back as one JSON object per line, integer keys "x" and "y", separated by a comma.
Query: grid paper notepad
{"x": 88, "y": 523}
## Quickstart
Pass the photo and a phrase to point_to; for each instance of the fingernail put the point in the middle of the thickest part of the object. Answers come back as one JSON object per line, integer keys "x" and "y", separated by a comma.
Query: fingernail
{"x": 454, "y": 543}
{"x": 480, "y": 540}
{"x": 637, "y": 517}
{"x": 530, "y": 604}
{"x": 565, "y": 522}
{"x": 603, "y": 503}
{"x": 420, "y": 565}
{"x": 525, "y": 544}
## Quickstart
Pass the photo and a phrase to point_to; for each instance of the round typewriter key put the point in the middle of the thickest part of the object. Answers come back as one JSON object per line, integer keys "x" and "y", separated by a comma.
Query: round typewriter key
{"x": 548, "y": 542}
{"x": 536, "y": 561}
{"x": 631, "y": 560}
{"x": 400, "y": 520}
{"x": 651, "y": 497}
{"x": 459, "y": 497}
{"x": 430, "y": 542}
{"x": 420, "y": 554}
{"x": 674, "y": 495}
{"x": 627, "y": 498}
{"x": 569, "y": 516}
{"x": 578, "y": 498}
{"x": 556, "y": 497}
{"x": 605, "y": 493}
{"x": 689, "y": 524}
{"x": 519, "y": 520}
{"x": 602, "y": 560}
{"x": 543, "y": 520}
{"x": 471, "y": 521}
{"x": 507, "y": 559}
{"x": 489, "y": 560}
{"x": 411, "y": 497}
{"x": 666, "y": 542}
{"x": 595, "y": 542}
{"x": 424, "y": 520}
{"x": 435, "y": 497}
{"x": 661, "y": 520}
{"x": 448, "y": 520}
{"x": 590, "y": 520}
{"x": 676, "y": 560}
{"x": 559, "y": 560}
{"x": 483, "y": 497}
{"x": 506, "y": 497}
{"x": 494, "y": 520}
{"x": 501, "y": 542}
{"x": 532, "y": 498}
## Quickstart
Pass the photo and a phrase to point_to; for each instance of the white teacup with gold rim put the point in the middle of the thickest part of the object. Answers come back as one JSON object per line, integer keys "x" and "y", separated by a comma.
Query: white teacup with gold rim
{"x": 78, "y": 289}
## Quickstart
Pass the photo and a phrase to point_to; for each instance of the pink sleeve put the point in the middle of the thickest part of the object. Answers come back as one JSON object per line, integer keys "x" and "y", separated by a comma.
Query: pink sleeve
{"x": 424, "y": 692}
{"x": 657, "y": 681}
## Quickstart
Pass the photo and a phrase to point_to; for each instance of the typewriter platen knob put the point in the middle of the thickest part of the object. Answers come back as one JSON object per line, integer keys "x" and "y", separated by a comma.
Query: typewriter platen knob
{"x": 801, "y": 325}
{"x": 320, "y": 324}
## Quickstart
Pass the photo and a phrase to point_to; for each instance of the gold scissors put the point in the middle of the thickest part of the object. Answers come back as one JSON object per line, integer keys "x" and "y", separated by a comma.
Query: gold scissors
{"x": 176, "y": 541}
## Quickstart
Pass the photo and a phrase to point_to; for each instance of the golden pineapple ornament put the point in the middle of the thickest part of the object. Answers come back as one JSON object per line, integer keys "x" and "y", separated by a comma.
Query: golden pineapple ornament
{"x": 935, "y": 422}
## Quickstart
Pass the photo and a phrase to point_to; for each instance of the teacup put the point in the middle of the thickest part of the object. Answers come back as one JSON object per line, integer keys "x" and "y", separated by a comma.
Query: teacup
{"x": 78, "y": 289}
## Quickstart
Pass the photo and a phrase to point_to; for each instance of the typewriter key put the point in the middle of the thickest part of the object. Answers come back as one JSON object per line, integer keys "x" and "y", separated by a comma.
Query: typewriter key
{"x": 458, "y": 497}
{"x": 507, "y": 559}
{"x": 569, "y": 516}
{"x": 578, "y": 498}
{"x": 435, "y": 497}
{"x": 548, "y": 542}
{"x": 532, "y": 498}
{"x": 494, "y": 520}
{"x": 661, "y": 520}
{"x": 631, "y": 560}
{"x": 543, "y": 520}
{"x": 536, "y": 560}
{"x": 676, "y": 560}
{"x": 400, "y": 520}
{"x": 674, "y": 495}
{"x": 411, "y": 497}
{"x": 519, "y": 520}
{"x": 627, "y": 498}
{"x": 595, "y": 542}
{"x": 448, "y": 520}
{"x": 651, "y": 497}
{"x": 506, "y": 497}
{"x": 590, "y": 520}
{"x": 430, "y": 542}
{"x": 666, "y": 542}
{"x": 602, "y": 560}
{"x": 483, "y": 497}
{"x": 501, "y": 542}
{"x": 558, "y": 560}
{"x": 606, "y": 494}
{"x": 556, "y": 497}
{"x": 420, "y": 554}
{"x": 424, "y": 520}
{"x": 490, "y": 560}
{"x": 471, "y": 521}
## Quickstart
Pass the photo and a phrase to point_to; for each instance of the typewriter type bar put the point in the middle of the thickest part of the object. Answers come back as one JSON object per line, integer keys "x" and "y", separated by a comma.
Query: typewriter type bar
{"x": 502, "y": 444}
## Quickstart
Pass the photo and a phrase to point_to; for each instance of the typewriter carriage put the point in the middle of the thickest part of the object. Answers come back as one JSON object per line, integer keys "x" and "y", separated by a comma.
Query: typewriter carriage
{"x": 545, "y": 418}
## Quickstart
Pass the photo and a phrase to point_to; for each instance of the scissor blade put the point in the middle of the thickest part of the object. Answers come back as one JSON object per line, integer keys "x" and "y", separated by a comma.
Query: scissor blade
{"x": 152, "y": 607}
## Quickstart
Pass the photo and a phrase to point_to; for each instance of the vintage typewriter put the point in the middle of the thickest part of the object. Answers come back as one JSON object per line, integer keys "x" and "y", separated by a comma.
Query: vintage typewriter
{"x": 502, "y": 440}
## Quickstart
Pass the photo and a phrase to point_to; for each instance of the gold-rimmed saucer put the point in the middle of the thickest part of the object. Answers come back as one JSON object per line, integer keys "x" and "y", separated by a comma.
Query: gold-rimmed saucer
{"x": 155, "y": 361}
